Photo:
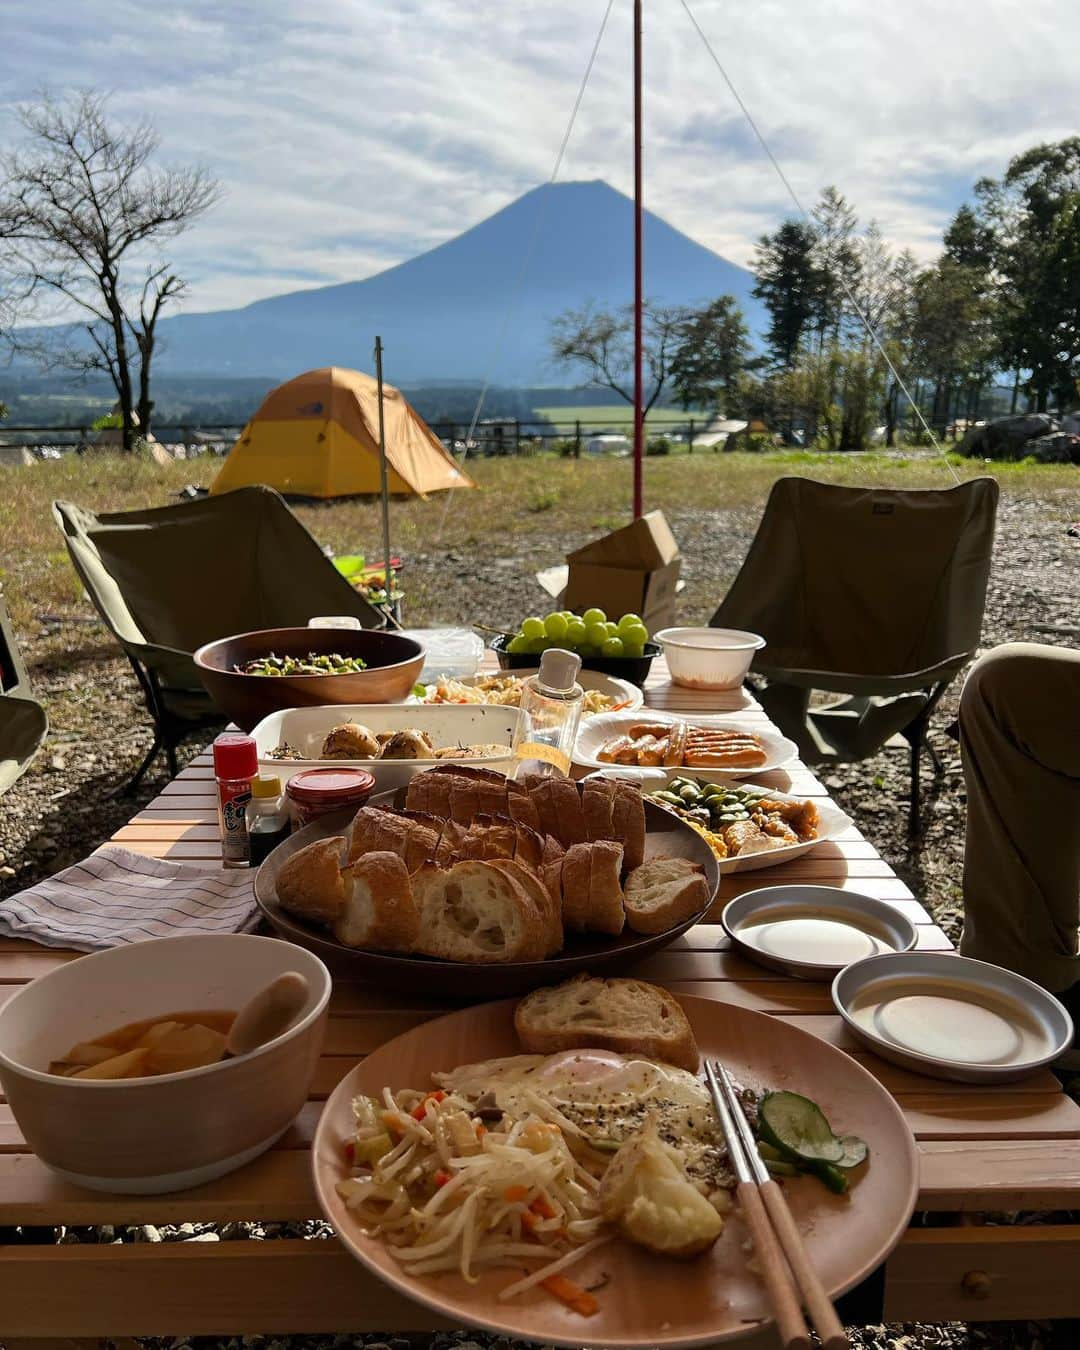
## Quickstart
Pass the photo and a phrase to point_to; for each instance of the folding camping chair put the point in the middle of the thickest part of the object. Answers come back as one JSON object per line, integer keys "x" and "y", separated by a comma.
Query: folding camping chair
{"x": 871, "y": 593}
{"x": 169, "y": 579}
{"x": 23, "y": 722}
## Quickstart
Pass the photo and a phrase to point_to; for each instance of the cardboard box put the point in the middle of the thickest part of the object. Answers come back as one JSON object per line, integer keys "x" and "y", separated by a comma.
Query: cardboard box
{"x": 634, "y": 570}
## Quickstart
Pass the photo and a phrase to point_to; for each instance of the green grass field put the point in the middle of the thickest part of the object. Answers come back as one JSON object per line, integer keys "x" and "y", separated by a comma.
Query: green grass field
{"x": 522, "y": 506}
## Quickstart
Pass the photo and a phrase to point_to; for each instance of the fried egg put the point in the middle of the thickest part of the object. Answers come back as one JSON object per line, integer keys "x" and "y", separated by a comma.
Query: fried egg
{"x": 608, "y": 1097}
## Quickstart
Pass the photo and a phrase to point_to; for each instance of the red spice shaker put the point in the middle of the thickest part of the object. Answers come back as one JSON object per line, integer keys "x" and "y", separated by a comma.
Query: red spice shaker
{"x": 236, "y": 762}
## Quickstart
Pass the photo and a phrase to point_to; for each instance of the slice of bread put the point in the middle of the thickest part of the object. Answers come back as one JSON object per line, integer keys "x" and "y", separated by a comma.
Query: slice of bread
{"x": 598, "y": 807}
{"x": 464, "y": 802}
{"x": 487, "y": 840}
{"x": 543, "y": 795}
{"x": 663, "y": 892}
{"x": 569, "y": 816}
{"x": 628, "y": 820}
{"x": 528, "y": 846}
{"x": 548, "y": 908}
{"x": 429, "y": 792}
{"x": 380, "y": 912}
{"x": 309, "y": 883}
{"x": 606, "y": 912}
{"x": 523, "y": 810}
{"x": 490, "y": 797}
{"x": 421, "y": 842}
{"x": 473, "y": 911}
{"x": 574, "y": 881}
{"x": 629, "y": 1017}
{"x": 451, "y": 842}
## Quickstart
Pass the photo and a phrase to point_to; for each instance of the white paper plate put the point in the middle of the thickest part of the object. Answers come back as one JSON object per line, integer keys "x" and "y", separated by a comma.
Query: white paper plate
{"x": 832, "y": 822}
{"x": 619, "y": 690}
{"x": 778, "y": 749}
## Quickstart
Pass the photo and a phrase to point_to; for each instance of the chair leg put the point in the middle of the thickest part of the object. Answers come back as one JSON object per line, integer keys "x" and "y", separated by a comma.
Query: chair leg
{"x": 913, "y": 803}
{"x": 131, "y": 786}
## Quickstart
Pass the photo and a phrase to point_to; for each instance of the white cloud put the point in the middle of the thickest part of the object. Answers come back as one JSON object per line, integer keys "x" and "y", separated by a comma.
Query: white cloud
{"x": 351, "y": 134}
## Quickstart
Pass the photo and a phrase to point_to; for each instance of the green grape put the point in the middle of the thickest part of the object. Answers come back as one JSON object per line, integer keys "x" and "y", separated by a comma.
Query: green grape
{"x": 555, "y": 627}
{"x": 594, "y": 616}
{"x": 612, "y": 629}
{"x": 595, "y": 634}
{"x": 518, "y": 644}
{"x": 575, "y": 632}
{"x": 633, "y": 650}
{"x": 629, "y": 621}
{"x": 533, "y": 628}
{"x": 636, "y": 635}
{"x": 588, "y": 652}
{"x": 537, "y": 645}
{"x": 568, "y": 615}
{"x": 613, "y": 647}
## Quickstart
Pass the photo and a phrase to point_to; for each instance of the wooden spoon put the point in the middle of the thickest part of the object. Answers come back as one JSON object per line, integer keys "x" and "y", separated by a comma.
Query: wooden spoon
{"x": 267, "y": 1015}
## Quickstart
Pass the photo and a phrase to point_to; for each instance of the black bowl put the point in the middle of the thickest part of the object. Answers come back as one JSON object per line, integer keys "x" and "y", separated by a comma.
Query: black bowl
{"x": 632, "y": 668}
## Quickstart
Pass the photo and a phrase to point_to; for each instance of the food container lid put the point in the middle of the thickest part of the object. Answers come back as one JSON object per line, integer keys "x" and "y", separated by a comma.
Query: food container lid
{"x": 266, "y": 785}
{"x": 314, "y": 787}
{"x": 235, "y": 756}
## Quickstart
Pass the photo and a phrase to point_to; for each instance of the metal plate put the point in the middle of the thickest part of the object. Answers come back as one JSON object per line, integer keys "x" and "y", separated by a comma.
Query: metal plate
{"x": 875, "y": 920}
{"x": 1014, "y": 1001}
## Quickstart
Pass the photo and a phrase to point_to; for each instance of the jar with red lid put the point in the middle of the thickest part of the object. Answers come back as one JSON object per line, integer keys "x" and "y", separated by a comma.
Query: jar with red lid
{"x": 318, "y": 792}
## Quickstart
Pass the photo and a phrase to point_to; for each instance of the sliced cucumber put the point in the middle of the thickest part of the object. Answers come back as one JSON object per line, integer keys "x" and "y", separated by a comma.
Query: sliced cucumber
{"x": 768, "y": 1153}
{"x": 798, "y": 1128}
{"x": 855, "y": 1151}
{"x": 778, "y": 1168}
{"x": 834, "y": 1177}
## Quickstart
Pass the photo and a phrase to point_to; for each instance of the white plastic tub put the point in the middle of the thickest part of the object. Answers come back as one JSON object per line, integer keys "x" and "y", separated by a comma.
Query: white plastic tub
{"x": 305, "y": 729}
{"x": 708, "y": 658}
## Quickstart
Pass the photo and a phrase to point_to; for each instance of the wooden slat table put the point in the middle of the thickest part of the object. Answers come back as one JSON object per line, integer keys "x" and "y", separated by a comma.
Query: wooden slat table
{"x": 981, "y": 1150}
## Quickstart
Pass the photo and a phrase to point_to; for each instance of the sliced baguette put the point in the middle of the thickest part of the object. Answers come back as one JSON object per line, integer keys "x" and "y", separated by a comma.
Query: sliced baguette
{"x": 627, "y": 1016}
{"x": 663, "y": 892}
{"x": 606, "y": 912}
{"x": 473, "y": 911}
{"x": 628, "y": 820}
{"x": 569, "y": 816}
{"x": 574, "y": 882}
{"x": 309, "y": 883}
{"x": 541, "y": 897}
{"x": 523, "y": 810}
{"x": 380, "y": 912}
{"x": 598, "y": 808}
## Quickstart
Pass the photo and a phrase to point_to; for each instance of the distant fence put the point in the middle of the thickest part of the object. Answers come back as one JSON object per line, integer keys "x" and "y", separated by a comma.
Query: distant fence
{"x": 495, "y": 436}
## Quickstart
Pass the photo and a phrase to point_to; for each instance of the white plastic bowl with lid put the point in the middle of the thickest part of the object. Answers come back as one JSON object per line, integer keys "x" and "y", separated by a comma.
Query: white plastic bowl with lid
{"x": 709, "y": 658}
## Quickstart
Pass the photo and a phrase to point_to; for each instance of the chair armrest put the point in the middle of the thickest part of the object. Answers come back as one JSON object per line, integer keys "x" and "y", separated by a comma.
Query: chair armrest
{"x": 846, "y": 682}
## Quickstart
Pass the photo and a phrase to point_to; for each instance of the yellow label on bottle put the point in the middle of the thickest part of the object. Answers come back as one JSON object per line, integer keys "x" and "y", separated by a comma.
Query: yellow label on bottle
{"x": 546, "y": 754}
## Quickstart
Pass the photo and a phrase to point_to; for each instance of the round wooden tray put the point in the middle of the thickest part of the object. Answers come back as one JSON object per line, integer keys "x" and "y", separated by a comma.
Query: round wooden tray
{"x": 665, "y": 835}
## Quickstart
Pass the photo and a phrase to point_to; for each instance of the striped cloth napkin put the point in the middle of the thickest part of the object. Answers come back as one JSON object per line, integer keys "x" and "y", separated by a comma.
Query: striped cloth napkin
{"x": 115, "y": 896}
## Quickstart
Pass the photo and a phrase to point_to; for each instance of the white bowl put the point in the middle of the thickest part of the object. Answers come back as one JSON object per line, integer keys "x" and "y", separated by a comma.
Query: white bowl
{"x": 708, "y": 658}
{"x": 148, "y": 1135}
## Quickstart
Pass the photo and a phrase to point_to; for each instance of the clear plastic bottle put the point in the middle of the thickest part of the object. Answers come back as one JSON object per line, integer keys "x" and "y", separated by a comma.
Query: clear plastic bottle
{"x": 551, "y": 703}
{"x": 267, "y": 818}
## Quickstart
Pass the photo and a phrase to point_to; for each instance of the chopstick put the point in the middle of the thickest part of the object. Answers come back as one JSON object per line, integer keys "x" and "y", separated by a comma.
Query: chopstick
{"x": 787, "y": 1273}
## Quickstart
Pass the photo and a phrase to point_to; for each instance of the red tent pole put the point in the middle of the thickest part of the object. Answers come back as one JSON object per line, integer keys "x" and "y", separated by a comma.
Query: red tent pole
{"x": 639, "y": 391}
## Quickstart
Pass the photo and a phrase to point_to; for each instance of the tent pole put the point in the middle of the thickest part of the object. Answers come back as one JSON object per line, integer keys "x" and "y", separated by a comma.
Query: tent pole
{"x": 639, "y": 392}
{"x": 384, "y": 483}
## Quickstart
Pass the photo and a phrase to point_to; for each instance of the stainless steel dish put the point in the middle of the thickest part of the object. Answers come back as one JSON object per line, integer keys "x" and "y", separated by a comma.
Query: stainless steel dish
{"x": 936, "y": 1007}
{"x": 801, "y": 946}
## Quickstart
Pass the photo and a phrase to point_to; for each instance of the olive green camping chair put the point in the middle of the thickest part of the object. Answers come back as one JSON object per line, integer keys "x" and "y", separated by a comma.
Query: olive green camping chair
{"x": 870, "y": 593}
{"x": 169, "y": 579}
{"x": 23, "y": 723}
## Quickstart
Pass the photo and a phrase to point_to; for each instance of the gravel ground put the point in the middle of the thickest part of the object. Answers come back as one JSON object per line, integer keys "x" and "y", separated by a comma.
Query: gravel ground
{"x": 66, "y": 804}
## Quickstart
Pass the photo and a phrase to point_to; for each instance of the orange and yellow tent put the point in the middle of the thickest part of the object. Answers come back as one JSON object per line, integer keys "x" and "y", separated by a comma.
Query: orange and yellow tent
{"x": 318, "y": 436}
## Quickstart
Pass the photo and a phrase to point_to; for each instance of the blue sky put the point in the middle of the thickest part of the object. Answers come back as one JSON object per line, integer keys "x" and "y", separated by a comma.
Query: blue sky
{"x": 352, "y": 134}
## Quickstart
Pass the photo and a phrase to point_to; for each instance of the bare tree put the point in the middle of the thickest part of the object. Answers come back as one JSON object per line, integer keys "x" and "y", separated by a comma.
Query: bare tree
{"x": 600, "y": 342}
{"x": 83, "y": 213}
